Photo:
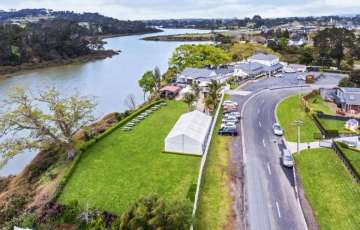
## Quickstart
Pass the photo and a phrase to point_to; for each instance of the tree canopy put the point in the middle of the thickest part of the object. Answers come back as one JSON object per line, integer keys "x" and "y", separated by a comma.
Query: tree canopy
{"x": 334, "y": 43}
{"x": 37, "y": 122}
{"x": 198, "y": 56}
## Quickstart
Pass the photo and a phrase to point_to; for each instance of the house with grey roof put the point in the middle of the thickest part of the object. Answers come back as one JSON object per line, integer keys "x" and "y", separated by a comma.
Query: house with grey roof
{"x": 200, "y": 75}
{"x": 265, "y": 59}
{"x": 249, "y": 69}
{"x": 348, "y": 99}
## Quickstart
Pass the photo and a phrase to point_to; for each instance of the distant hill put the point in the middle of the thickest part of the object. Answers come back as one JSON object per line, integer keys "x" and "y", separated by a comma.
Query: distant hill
{"x": 95, "y": 23}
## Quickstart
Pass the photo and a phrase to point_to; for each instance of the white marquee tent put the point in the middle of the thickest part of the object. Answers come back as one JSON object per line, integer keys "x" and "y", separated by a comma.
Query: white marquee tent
{"x": 189, "y": 135}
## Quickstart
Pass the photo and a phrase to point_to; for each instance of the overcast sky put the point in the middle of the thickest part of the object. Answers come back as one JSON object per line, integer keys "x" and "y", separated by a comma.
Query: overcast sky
{"x": 160, "y": 9}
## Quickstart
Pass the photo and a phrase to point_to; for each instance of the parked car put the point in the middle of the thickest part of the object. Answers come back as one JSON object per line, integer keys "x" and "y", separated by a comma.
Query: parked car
{"x": 226, "y": 131}
{"x": 235, "y": 114}
{"x": 277, "y": 129}
{"x": 228, "y": 124}
{"x": 230, "y": 119}
{"x": 287, "y": 159}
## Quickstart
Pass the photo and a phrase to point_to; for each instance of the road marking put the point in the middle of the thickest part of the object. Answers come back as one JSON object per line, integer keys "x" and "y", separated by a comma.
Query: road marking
{"x": 268, "y": 167}
{"x": 259, "y": 124}
{"x": 278, "y": 209}
{"x": 263, "y": 141}
{"x": 258, "y": 111}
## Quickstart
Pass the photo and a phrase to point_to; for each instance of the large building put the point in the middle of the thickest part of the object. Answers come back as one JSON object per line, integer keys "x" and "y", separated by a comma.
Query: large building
{"x": 201, "y": 75}
{"x": 190, "y": 134}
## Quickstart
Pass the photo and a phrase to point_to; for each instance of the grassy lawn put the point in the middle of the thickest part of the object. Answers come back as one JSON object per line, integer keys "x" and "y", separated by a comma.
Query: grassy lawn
{"x": 330, "y": 189}
{"x": 318, "y": 104}
{"x": 290, "y": 110}
{"x": 215, "y": 200}
{"x": 126, "y": 165}
{"x": 352, "y": 155}
{"x": 332, "y": 124}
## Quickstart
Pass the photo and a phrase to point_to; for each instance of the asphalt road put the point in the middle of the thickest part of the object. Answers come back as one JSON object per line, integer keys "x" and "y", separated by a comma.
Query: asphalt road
{"x": 271, "y": 201}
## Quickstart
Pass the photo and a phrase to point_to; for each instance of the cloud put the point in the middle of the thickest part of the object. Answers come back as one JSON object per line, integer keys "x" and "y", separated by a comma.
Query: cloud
{"x": 159, "y": 9}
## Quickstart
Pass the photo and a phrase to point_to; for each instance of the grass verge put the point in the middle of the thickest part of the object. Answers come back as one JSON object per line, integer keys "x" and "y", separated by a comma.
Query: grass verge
{"x": 215, "y": 198}
{"x": 123, "y": 166}
{"x": 290, "y": 110}
{"x": 333, "y": 194}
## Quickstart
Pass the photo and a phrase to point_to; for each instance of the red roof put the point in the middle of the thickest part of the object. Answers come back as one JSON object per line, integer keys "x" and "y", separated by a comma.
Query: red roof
{"x": 170, "y": 88}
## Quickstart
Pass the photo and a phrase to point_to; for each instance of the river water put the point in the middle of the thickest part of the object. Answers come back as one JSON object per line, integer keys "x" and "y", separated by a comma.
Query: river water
{"x": 110, "y": 80}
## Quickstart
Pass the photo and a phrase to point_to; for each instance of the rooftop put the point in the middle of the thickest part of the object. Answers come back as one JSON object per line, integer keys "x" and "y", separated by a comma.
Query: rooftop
{"x": 263, "y": 57}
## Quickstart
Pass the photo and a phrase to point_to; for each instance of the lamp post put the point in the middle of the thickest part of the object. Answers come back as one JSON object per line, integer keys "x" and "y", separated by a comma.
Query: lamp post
{"x": 298, "y": 123}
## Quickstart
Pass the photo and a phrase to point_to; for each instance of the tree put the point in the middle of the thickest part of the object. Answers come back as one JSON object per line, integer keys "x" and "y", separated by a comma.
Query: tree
{"x": 212, "y": 97}
{"x": 152, "y": 212}
{"x": 196, "y": 88}
{"x": 333, "y": 43}
{"x": 189, "y": 99}
{"x": 198, "y": 56}
{"x": 147, "y": 83}
{"x": 130, "y": 102}
{"x": 46, "y": 120}
{"x": 157, "y": 77}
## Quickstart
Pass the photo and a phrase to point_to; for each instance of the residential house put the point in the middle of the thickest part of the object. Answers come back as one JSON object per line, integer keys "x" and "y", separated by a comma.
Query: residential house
{"x": 294, "y": 42}
{"x": 348, "y": 99}
{"x": 249, "y": 70}
{"x": 169, "y": 91}
{"x": 204, "y": 75}
{"x": 271, "y": 62}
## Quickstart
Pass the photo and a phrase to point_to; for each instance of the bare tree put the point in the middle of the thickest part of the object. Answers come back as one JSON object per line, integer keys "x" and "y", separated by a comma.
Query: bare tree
{"x": 130, "y": 102}
{"x": 49, "y": 119}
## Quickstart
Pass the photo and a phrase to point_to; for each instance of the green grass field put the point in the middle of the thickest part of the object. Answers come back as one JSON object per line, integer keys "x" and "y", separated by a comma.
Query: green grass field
{"x": 126, "y": 165}
{"x": 290, "y": 110}
{"x": 332, "y": 124}
{"x": 333, "y": 194}
{"x": 215, "y": 199}
{"x": 318, "y": 104}
{"x": 352, "y": 155}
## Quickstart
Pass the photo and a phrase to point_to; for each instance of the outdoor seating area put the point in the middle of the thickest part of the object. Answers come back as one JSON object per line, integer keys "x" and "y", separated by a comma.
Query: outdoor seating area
{"x": 131, "y": 124}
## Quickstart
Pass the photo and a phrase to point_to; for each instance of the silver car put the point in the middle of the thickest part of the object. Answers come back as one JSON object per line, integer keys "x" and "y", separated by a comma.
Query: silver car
{"x": 287, "y": 159}
{"x": 277, "y": 129}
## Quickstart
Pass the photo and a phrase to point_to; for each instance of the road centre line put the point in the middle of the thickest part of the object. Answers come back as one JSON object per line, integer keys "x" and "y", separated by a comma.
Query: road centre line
{"x": 259, "y": 124}
{"x": 278, "y": 209}
{"x": 268, "y": 167}
{"x": 263, "y": 141}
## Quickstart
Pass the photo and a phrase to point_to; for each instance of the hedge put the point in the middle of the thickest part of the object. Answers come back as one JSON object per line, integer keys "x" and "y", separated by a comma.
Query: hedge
{"x": 70, "y": 170}
{"x": 340, "y": 147}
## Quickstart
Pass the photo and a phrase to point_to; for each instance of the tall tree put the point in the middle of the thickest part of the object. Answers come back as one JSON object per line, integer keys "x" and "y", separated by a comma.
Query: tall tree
{"x": 333, "y": 43}
{"x": 38, "y": 122}
{"x": 157, "y": 77}
{"x": 212, "y": 97}
{"x": 147, "y": 83}
{"x": 189, "y": 99}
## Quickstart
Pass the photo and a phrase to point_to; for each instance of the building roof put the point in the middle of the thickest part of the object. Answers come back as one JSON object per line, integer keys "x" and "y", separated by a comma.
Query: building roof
{"x": 273, "y": 67}
{"x": 263, "y": 57}
{"x": 198, "y": 72}
{"x": 224, "y": 70}
{"x": 251, "y": 68}
{"x": 351, "y": 96}
{"x": 194, "y": 124}
{"x": 170, "y": 88}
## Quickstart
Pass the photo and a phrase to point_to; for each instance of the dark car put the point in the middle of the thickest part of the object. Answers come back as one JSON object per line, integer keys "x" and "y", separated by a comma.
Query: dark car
{"x": 228, "y": 131}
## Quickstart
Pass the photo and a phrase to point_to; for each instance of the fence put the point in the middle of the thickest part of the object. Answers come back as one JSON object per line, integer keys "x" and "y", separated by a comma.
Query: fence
{"x": 203, "y": 159}
{"x": 346, "y": 162}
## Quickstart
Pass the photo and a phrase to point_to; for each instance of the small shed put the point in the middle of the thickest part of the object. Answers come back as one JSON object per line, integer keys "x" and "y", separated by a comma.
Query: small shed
{"x": 190, "y": 134}
{"x": 169, "y": 91}
{"x": 352, "y": 124}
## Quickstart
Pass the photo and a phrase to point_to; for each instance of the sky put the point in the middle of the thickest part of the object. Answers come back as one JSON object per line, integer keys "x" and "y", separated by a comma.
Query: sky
{"x": 165, "y": 9}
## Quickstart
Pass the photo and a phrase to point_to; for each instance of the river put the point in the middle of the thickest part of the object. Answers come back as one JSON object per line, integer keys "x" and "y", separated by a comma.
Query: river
{"x": 110, "y": 80}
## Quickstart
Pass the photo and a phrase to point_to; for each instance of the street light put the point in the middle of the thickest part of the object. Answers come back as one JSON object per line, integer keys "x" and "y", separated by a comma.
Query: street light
{"x": 298, "y": 123}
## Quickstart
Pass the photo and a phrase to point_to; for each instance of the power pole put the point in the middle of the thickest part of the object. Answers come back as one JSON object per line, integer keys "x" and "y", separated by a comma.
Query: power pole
{"x": 298, "y": 123}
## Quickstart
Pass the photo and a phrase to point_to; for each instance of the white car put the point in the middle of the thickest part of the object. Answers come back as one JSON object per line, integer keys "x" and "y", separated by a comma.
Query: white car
{"x": 277, "y": 129}
{"x": 287, "y": 159}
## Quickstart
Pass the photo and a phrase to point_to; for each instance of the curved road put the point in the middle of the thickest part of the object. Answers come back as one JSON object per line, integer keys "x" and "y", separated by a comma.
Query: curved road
{"x": 270, "y": 193}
